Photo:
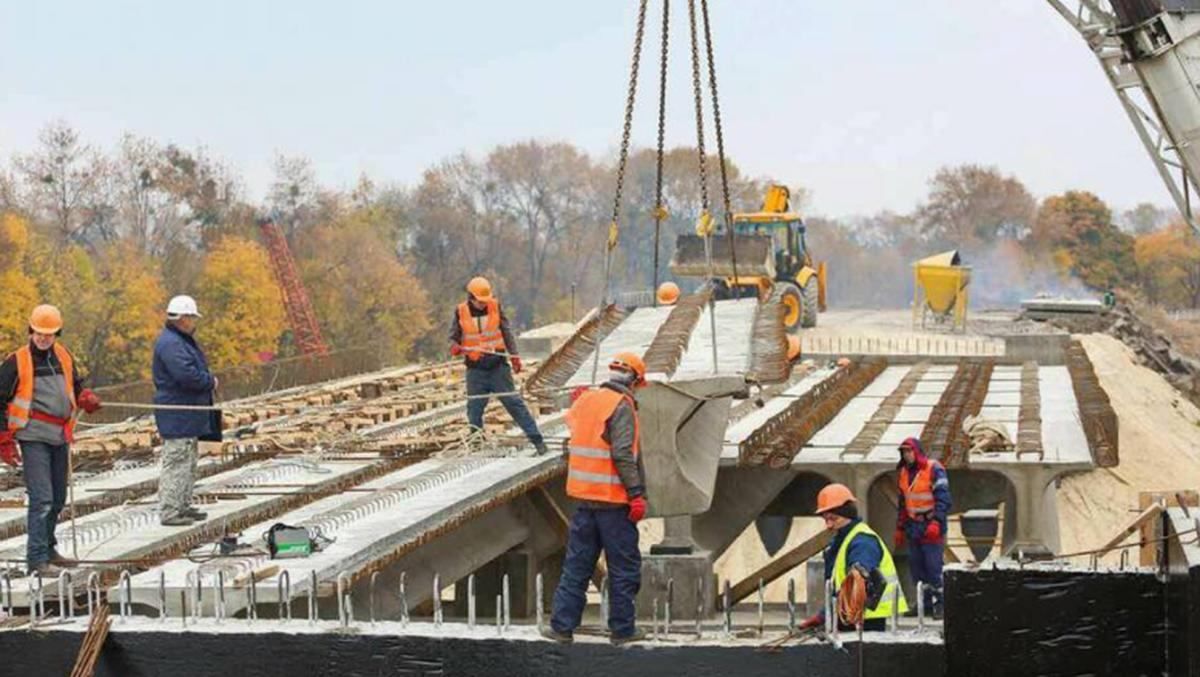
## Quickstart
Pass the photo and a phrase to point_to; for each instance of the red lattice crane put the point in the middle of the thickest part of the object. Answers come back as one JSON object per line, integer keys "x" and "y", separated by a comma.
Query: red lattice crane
{"x": 295, "y": 297}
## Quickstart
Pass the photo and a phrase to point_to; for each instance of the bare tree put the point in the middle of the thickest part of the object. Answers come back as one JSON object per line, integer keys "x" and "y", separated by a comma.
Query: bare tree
{"x": 294, "y": 194}
{"x": 65, "y": 182}
{"x": 972, "y": 204}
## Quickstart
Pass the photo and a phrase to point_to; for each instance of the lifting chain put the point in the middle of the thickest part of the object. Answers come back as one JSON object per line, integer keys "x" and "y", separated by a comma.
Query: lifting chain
{"x": 629, "y": 101}
{"x": 660, "y": 211}
{"x": 716, "y": 103}
{"x": 699, "y": 99}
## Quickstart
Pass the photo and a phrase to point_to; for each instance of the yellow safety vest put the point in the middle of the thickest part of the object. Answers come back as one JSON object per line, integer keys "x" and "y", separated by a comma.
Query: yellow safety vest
{"x": 886, "y": 567}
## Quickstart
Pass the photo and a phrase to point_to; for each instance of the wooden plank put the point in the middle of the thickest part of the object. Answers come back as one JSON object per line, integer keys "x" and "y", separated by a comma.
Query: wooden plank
{"x": 1153, "y": 530}
{"x": 778, "y": 567}
{"x": 1144, "y": 517}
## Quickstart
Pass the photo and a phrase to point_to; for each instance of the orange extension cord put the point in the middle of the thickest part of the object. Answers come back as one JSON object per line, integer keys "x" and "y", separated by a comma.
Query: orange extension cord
{"x": 852, "y": 599}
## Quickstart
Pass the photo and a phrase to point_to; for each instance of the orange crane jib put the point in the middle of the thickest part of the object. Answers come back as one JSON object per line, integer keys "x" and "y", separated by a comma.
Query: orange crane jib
{"x": 295, "y": 298}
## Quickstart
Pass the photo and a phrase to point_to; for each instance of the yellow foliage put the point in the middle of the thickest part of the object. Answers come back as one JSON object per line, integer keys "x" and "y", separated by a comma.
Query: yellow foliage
{"x": 242, "y": 305}
{"x": 125, "y": 313}
{"x": 20, "y": 296}
{"x": 361, "y": 293}
{"x": 14, "y": 240}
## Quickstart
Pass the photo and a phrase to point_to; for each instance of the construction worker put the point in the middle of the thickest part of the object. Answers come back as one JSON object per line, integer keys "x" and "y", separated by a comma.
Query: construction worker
{"x": 605, "y": 473}
{"x": 42, "y": 391}
{"x": 855, "y": 550}
{"x": 921, "y": 518}
{"x": 480, "y": 333}
{"x": 181, "y": 377}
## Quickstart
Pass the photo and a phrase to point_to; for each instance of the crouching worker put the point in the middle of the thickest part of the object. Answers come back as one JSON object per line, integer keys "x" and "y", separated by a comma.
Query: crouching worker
{"x": 861, "y": 568}
{"x": 605, "y": 473}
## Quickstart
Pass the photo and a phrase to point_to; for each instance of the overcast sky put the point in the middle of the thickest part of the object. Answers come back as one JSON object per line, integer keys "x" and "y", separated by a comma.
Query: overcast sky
{"x": 858, "y": 101}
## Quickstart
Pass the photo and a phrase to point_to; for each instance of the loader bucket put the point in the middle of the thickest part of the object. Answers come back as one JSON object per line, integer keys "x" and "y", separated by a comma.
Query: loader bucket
{"x": 682, "y": 432}
{"x": 755, "y": 256}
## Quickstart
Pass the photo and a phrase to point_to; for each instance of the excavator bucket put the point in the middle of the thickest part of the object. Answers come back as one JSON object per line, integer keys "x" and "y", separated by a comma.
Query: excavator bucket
{"x": 755, "y": 256}
{"x": 682, "y": 432}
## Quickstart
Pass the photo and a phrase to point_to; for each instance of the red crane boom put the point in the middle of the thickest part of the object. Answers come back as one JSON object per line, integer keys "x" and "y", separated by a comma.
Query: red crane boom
{"x": 295, "y": 297}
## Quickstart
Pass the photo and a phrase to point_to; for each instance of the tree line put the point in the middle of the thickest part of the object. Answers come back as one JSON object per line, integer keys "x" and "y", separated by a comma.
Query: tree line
{"x": 110, "y": 234}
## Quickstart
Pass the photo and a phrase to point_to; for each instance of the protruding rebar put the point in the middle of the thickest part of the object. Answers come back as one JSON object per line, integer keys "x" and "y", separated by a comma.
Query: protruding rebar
{"x": 504, "y": 591}
{"x": 699, "y": 607}
{"x": 66, "y": 595}
{"x": 183, "y": 610}
{"x": 894, "y": 620}
{"x": 312, "y": 596}
{"x": 371, "y": 597}
{"x": 791, "y": 604}
{"x": 538, "y": 592}
{"x": 654, "y": 621}
{"x": 283, "y": 591}
{"x": 471, "y": 601}
{"x": 125, "y": 583}
{"x": 162, "y": 595}
{"x": 93, "y": 583}
{"x": 437, "y": 598}
{"x": 920, "y": 605}
{"x": 403, "y": 600}
{"x": 220, "y": 600}
{"x": 252, "y": 593}
{"x": 667, "y": 607}
{"x": 343, "y": 585}
{"x": 198, "y": 595}
{"x": 499, "y": 616}
{"x": 726, "y": 610}
{"x": 761, "y": 611}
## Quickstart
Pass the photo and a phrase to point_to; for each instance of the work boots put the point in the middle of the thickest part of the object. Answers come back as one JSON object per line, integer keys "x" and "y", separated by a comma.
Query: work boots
{"x": 184, "y": 520}
{"x": 556, "y": 636}
{"x": 61, "y": 561}
{"x": 637, "y": 636}
{"x": 46, "y": 570}
{"x": 197, "y": 515}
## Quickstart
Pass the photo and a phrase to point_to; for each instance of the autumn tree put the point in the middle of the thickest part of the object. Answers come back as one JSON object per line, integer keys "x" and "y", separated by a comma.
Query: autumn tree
{"x": 361, "y": 293}
{"x": 971, "y": 204}
{"x": 65, "y": 182}
{"x": 124, "y": 316}
{"x": 1077, "y": 228}
{"x": 243, "y": 307}
{"x": 1168, "y": 261}
{"x": 1145, "y": 218}
{"x": 20, "y": 289}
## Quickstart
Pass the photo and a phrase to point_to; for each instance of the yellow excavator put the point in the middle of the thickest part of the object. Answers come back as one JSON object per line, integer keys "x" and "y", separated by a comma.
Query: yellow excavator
{"x": 772, "y": 260}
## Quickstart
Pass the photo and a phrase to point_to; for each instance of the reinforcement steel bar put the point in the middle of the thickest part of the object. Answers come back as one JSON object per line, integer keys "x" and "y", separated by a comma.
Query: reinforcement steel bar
{"x": 1029, "y": 418}
{"x": 1095, "y": 410}
{"x": 867, "y": 438}
{"x": 769, "y": 361}
{"x": 669, "y": 344}
{"x": 570, "y": 356}
{"x": 777, "y": 442}
{"x": 943, "y": 437}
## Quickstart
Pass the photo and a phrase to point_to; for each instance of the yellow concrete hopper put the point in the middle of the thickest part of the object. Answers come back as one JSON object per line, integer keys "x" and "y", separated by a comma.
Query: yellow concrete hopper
{"x": 940, "y": 289}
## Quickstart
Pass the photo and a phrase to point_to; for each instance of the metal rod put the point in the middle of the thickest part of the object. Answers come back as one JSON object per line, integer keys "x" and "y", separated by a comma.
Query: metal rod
{"x": 499, "y": 616}
{"x": 198, "y": 593}
{"x": 727, "y": 610}
{"x": 654, "y": 621}
{"x": 471, "y": 601}
{"x": 403, "y": 600}
{"x": 343, "y": 582}
{"x": 183, "y": 610}
{"x": 920, "y": 605}
{"x": 312, "y": 597}
{"x": 791, "y": 604}
{"x": 8, "y": 594}
{"x": 162, "y": 595}
{"x": 894, "y": 620}
{"x": 126, "y": 585}
{"x": 538, "y": 592}
{"x": 284, "y": 593}
{"x": 65, "y": 595}
{"x": 371, "y": 598}
{"x": 437, "y": 598}
{"x": 252, "y": 592}
{"x": 699, "y": 608}
{"x": 220, "y": 596}
{"x": 507, "y": 598}
{"x": 667, "y": 607}
{"x": 761, "y": 600}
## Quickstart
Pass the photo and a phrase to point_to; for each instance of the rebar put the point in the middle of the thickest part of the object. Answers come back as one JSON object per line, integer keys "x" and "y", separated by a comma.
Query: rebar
{"x": 791, "y": 604}
{"x": 538, "y": 593}
{"x": 699, "y": 608}
{"x": 343, "y": 587}
{"x": 371, "y": 597}
{"x": 437, "y": 599}
{"x": 920, "y": 606}
{"x": 66, "y": 595}
{"x": 403, "y": 600}
{"x": 220, "y": 598}
{"x": 312, "y": 597}
{"x": 507, "y": 610}
{"x": 125, "y": 584}
{"x": 283, "y": 591}
{"x": 761, "y": 600}
{"x": 727, "y": 610}
{"x": 162, "y": 595}
{"x": 667, "y": 608}
{"x": 471, "y": 601}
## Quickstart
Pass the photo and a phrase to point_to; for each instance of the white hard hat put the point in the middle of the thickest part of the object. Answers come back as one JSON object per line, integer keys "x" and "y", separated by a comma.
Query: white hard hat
{"x": 181, "y": 306}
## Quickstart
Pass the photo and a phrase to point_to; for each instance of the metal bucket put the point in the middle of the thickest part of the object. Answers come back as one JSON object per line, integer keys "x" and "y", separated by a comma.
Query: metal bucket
{"x": 755, "y": 256}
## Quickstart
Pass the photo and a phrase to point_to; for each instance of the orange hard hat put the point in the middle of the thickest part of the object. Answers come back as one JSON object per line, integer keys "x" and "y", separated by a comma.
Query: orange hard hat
{"x": 834, "y": 496}
{"x": 668, "y": 293}
{"x": 793, "y": 347}
{"x": 46, "y": 319}
{"x": 843, "y": 362}
{"x": 629, "y": 362}
{"x": 480, "y": 288}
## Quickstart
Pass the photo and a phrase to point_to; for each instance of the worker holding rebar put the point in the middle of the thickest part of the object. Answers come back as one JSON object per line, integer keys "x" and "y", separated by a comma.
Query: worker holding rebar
{"x": 42, "y": 390}
{"x": 182, "y": 379}
{"x": 480, "y": 333}
{"x": 860, "y": 566}
{"x": 921, "y": 518}
{"x": 605, "y": 473}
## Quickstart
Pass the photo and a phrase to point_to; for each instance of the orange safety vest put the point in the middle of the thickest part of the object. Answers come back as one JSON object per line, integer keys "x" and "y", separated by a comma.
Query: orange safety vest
{"x": 20, "y": 409}
{"x": 485, "y": 335}
{"x": 591, "y": 473}
{"x": 917, "y": 492}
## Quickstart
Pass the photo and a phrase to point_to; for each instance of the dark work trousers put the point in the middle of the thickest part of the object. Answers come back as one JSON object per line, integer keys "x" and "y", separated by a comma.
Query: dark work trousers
{"x": 46, "y": 481}
{"x": 498, "y": 380}
{"x": 593, "y": 530}
{"x": 925, "y": 561}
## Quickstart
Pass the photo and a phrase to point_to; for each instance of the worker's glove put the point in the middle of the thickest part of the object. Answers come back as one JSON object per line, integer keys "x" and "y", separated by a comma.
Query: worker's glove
{"x": 637, "y": 509}
{"x": 517, "y": 365}
{"x": 89, "y": 401}
{"x": 456, "y": 349}
{"x": 814, "y": 621}
{"x": 10, "y": 453}
{"x": 933, "y": 531}
{"x": 898, "y": 538}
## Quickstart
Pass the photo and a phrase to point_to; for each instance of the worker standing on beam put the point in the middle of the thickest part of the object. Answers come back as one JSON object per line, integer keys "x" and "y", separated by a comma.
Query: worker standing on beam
{"x": 921, "y": 518}
{"x": 41, "y": 389}
{"x": 855, "y": 551}
{"x": 605, "y": 473}
{"x": 480, "y": 333}
{"x": 182, "y": 377}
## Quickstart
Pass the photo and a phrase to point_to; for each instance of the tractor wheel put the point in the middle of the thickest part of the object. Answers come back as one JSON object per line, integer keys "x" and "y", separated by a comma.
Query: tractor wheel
{"x": 793, "y": 304}
{"x": 810, "y": 291}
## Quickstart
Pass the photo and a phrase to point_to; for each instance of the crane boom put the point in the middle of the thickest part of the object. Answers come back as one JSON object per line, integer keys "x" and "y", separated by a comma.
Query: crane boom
{"x": 295, "y": 297}
{"x": 1148, "y": 50}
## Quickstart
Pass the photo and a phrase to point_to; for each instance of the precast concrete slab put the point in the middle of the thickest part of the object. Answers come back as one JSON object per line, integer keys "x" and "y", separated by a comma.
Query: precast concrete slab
{"x": 132, "y": 532}
{"x": 738, "y": 431}
{"x": 734, "y": 326}
{"x": 396, "y": 510}
{"x": 634, "y": 334}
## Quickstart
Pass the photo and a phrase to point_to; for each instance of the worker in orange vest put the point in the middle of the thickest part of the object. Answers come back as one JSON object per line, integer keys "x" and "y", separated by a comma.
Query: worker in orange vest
{"x": 41, "y": 390}
{"x": 479, "y": 333}
{"x": 921, "y": 518}
{"x": 605, "y": 473}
